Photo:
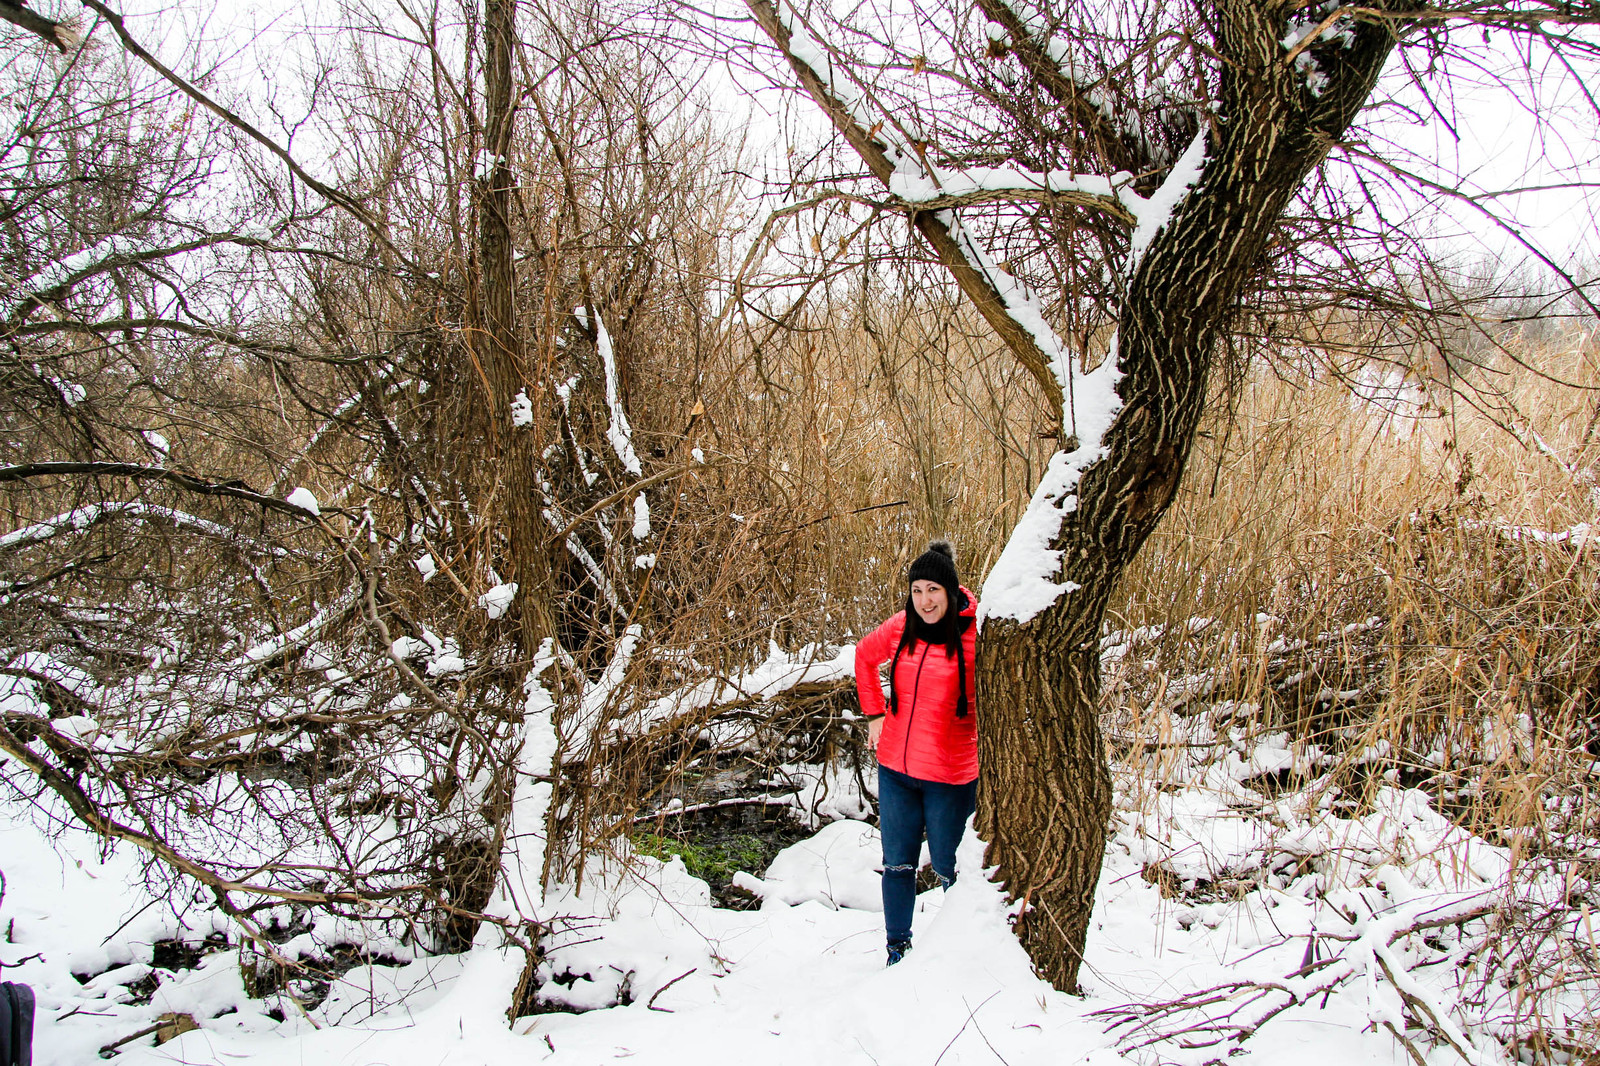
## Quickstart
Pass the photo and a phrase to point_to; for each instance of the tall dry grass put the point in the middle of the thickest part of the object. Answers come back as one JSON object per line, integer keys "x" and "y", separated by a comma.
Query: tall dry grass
{"x": 1412, "y": 575}
{"x": 1402, "y": 594}
{"x": 836, "y": 448}
{"x": 1407, "y": 568}
{"x": 1401, "y": 566}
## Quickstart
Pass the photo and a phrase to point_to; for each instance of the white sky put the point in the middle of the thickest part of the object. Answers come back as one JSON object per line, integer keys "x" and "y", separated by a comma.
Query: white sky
{"x": 1537, "y": 133}
{"x": 1507, "y": 130}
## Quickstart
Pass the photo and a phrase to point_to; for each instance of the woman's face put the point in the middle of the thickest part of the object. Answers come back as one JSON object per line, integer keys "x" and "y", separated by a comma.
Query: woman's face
{"x": 930, "y": 600}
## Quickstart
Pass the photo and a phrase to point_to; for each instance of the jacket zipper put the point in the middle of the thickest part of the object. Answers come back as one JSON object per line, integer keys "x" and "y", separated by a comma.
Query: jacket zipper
{"x": 916, "y": 689}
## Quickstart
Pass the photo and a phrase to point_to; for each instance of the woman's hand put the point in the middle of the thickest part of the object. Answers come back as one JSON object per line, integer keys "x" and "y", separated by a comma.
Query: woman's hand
{"x": 875, "y": 730}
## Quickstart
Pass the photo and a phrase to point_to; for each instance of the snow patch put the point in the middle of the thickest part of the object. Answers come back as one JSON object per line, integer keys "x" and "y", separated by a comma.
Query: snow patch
{"x": 497, "y": 601}
{"x": 522, "y": 409}
{"x": 304, "y": 499}
{"x": 837, "y": 867}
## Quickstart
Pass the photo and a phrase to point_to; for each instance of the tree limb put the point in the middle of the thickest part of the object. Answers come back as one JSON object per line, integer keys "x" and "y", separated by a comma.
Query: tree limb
{"x": 58, "y": 34}
{"x": 231, "y": 489}
{"x": 977, "y": 288}
{"x": 339, "y": 199}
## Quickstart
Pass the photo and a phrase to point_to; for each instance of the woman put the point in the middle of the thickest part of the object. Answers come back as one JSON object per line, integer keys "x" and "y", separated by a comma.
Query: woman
{"x": 927, "y": 735}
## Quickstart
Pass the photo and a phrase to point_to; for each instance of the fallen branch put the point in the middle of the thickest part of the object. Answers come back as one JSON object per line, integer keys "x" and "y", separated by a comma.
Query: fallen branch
{"x": 750, "y": 801}
{"x": 1189, "y": 1022}
{"x": 651, "y": 1005}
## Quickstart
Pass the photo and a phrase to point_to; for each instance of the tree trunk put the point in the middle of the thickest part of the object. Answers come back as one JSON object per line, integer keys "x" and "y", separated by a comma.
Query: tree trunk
{"x": 1055, "y": 788}
{"x": 517, "y": 542}
{"x": 1045, "y": 793}
{"x": 498, "y": 342}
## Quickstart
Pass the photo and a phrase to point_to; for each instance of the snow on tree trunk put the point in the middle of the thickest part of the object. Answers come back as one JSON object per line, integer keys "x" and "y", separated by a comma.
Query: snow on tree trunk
{"x": 1045, "y": 793}
{"x": 514, "y": 448}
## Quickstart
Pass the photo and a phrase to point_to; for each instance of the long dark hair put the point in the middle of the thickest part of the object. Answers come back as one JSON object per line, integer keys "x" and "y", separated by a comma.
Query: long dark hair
{"x": 947, "y": 631}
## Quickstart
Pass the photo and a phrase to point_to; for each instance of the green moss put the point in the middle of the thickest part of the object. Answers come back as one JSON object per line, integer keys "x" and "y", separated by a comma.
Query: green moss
{"x": 713, "y": 861}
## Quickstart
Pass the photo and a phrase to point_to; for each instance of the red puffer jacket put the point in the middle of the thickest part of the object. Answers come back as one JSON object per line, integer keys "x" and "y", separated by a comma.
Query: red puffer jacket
{"x": 925, "y": 739}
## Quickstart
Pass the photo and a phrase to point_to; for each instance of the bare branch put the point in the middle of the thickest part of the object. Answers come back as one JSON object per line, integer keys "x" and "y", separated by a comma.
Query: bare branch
{"x": 333, "y": 196}
{"x": 977, "y": 287}
{"x": 188, "y": 482}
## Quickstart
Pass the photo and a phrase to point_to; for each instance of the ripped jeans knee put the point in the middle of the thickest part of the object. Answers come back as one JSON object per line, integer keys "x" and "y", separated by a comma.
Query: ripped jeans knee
{"x": 908, "y": 810}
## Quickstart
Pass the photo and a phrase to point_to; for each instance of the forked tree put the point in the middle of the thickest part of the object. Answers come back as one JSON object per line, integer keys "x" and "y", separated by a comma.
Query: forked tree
{"x": 1106, "y": 183}
{"x": 175, "y": 362}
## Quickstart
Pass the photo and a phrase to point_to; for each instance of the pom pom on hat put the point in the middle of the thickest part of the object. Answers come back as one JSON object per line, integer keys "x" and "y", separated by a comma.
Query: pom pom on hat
{"x": 938, "y": 564}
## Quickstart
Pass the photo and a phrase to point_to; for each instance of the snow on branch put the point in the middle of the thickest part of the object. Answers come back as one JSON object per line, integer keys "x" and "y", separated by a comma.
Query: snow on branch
{"x": 1050, "y": 61}
{"x": 942, "y": 186}
{"x": 780, "y": 672}
{"x": 1034, "y": 28}
{"x": 112, "y": 253}
{"x": 885, "y": 156}
{"x": 270, "y": 649}
{"x": 805, "y": 49}
{"x": 140, "y": 472}
{"x": 916, "y": 180}
{"x": 520, "y": 889}
{"x": 1023, "y": 580}
{"x": 83, "y": 518}
{"x": 619, "y": 432}
{"x": 579, "y": 734}
{"x": 586, "y": 560}
{"x": 1157, "y": 211}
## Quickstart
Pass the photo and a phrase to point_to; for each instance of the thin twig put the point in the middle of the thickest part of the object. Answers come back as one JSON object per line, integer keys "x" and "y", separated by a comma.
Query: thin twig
{"x": 651, "y": 1004}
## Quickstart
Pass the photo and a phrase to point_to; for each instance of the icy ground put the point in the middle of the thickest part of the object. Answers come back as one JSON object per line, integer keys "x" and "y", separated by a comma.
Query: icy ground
{"x": 801, "y": 980}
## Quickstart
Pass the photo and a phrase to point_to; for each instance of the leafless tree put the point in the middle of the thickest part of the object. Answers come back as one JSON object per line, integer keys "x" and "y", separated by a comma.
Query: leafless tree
{"x": 434, "y": 338}
{"x": 1129, "y": 194}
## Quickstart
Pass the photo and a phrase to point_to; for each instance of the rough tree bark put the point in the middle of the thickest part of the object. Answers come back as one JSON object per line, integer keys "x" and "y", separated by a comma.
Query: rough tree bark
{"x": 1044, "y": 812}
{"x": 497, "y": 340}
{"x": 496, "y": 346}
{"x": 1045, "y": 794}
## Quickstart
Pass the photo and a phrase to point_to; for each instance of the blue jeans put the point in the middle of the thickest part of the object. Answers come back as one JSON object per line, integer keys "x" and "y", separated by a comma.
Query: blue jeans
{"x": 906, "y": 807}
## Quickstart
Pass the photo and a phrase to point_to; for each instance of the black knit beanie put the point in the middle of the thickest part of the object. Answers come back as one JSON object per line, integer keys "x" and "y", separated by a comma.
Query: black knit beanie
{"x": 938, "y": 563}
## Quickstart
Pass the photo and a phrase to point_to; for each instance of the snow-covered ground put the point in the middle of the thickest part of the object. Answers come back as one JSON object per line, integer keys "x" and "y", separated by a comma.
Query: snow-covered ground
{"x": 801, "y": 980}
